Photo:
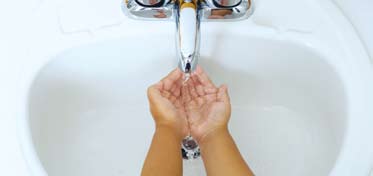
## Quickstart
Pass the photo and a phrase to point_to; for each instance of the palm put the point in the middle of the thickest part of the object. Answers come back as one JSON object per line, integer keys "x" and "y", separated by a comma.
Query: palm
{"x": 166, "y": 102}
{"x": 204, "y": 113}
{"x": 206, "y": 106}
{"x": 173, "y": 102}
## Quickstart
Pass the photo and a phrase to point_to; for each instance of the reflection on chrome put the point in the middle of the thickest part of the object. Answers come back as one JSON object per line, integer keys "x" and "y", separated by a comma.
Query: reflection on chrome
{"x": 188, "y": 14}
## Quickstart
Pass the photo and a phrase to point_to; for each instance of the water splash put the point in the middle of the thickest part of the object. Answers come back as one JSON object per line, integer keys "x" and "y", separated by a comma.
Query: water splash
{"x": 190, "y": 148}
{"x": 186, "y": 78}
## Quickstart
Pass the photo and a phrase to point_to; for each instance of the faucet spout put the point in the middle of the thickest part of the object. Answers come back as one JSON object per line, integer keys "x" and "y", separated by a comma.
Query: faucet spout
{"x": 188, "y": 14}
{"x": 188, "y": 35}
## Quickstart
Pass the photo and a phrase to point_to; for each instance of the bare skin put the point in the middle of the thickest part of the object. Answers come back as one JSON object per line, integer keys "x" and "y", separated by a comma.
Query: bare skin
{"x": 208, "y": 111}
{"x": 201, "y": 109}
{"x": 164, "y": 156}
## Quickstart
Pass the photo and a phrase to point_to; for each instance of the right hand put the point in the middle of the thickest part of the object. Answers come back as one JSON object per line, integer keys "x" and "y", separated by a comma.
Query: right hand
{"x": 166, "y": 104}
{"x": 207, "y": 107}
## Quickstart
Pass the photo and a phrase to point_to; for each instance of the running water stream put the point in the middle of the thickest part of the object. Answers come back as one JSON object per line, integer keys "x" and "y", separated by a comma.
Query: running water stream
{"x": 189, "y": 147}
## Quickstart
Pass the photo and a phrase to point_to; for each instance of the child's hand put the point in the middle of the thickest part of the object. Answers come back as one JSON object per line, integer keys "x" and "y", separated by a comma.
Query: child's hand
{"x": 166, "y": 104}
{"x": 208, "y": 107}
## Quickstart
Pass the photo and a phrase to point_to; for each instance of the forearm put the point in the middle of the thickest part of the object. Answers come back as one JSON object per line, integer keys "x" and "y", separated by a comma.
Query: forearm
{"x": 221, "y": 155}
{"x": 164, "y": 156}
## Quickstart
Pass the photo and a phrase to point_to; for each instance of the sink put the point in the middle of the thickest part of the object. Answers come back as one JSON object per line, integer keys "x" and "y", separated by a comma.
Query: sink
{"x": 88, "y": 111}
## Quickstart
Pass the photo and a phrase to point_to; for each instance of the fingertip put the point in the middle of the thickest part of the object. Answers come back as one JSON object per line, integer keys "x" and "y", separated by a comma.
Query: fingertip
{"x": 178, "y": 71}
{"x": 158, "y": 85}
{"x": 198, "y": 70}
{"x": 150, "y": 91}
{"x": 223, "y": 93}
{"x": 224, "y": 87}
{"x": 204, "y": 79}
{"x": 173, "y": 75}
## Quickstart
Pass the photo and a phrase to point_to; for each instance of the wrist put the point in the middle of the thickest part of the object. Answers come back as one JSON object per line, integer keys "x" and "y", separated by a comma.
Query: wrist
{"x": 170, "y": 130}
{"x": 215, "y": 133}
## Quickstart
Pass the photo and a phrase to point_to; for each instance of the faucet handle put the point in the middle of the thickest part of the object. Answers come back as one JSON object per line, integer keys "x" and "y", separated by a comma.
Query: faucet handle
{"x": 224, "y": 3}
{"x": 151, "y": 3}
{"x": 149, "y": 9}
{"x": 222, "y": 10}
{"x": 209, "y": 10}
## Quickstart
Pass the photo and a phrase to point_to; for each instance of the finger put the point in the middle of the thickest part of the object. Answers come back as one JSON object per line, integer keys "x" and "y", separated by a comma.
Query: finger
{"x": 171, "y": 78}
{"x": 192, "y": 89}
{"x": 203, "y": 78}
{"x": 178, "y": 104}
{"x": 223, "y": 95}
{"x": 200, "y": 101}
{"x": 210, "y": 98}
{"x": 185, "y": 94}
{"x": 154, "y": 93}
{"x": 173, "y": 89}
{"x": 198, "y": 86}
{"x": 210, "y": 90}
{"x": 172, "y": 99}
{"x": 158, "y": 85}
{"x": 176, "y": 89}
{"x": 173, "y": 75}
{"x": 166, "y": 94}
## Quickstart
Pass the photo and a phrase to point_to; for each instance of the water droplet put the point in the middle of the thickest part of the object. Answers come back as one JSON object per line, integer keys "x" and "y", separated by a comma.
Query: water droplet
{"x": 186, "y": 78}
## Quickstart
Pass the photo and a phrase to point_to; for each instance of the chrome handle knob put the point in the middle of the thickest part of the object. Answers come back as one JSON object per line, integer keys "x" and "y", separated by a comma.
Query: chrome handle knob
{"x": 151, "y": 3}
{"x": 226, "y": 3}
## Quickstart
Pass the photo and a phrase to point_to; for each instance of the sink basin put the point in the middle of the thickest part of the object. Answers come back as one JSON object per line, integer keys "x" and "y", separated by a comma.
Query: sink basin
{"x": 88, "y": 110}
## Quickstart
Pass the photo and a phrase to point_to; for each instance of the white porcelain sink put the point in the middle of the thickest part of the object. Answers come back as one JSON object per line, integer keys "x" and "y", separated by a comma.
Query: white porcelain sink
{"x": 88, "y": 110}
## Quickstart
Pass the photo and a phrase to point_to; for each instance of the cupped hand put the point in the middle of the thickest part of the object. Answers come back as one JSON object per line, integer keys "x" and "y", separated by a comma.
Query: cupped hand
{"x": 166, "y": 104}
{"x": 207, "y": 107}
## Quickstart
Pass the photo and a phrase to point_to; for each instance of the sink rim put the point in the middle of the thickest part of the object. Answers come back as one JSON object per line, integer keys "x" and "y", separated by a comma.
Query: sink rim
{"x": 344, "y": 38}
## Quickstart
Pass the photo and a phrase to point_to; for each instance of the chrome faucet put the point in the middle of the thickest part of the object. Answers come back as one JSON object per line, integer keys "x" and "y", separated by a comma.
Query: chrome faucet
{"x": 188, "y": 14}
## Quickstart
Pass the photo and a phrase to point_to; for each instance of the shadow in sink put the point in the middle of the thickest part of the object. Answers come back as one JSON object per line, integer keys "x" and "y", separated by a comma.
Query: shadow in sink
{"x": 88, "y": 110}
